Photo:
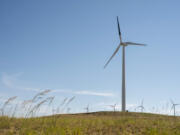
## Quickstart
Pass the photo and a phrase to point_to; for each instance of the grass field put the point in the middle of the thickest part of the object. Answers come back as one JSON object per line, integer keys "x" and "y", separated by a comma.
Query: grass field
{"x": 99, "y": 123}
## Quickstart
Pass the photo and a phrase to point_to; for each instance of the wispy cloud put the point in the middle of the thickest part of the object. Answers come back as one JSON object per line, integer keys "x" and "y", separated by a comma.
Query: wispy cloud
{"x": 10, "y": 81}
{"x": 95, "y": 93}
{"x": 86, "y": 92}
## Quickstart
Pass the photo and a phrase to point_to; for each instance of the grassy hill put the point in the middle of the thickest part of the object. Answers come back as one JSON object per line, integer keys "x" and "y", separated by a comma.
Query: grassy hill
{"x": 97, "y": 123}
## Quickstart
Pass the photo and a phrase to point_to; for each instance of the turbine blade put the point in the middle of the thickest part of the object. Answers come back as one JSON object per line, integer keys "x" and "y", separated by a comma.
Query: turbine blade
{"x": 117, "y": 49}
{"x": 119, "y": 30}
{"x": 132, "y": 43}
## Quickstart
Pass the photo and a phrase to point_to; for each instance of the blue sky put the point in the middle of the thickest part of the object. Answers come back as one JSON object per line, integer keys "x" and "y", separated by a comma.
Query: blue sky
{"x": 63, "y": 46}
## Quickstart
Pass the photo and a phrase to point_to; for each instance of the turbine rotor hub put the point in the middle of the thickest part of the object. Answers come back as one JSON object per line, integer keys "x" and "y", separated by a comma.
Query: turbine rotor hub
{"x": 123, "y": 44}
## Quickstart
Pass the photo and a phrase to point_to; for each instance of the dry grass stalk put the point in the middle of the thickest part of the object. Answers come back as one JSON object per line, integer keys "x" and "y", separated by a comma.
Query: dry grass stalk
{"x": 37, "y": 107}
{"x": 61, "y": 105}
{"x": 39, "y": 95}
{"x": 7, "y": 103}
{"x": 35, "y": 99}
{"x": 68, "y": 102}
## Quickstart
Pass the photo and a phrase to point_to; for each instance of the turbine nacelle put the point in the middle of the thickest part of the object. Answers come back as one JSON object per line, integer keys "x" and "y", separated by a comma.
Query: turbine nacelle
{"x": 123, "y": 44}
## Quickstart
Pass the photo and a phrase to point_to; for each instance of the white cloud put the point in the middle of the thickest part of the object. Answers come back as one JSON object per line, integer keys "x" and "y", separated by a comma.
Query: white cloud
{"x": 104, "y": 94}
{"x": 86, "y": 92}
{"x": 10, "y": 81}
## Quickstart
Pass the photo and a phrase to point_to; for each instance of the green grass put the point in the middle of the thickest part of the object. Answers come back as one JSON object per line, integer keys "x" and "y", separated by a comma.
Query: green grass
{"x": 99, "y": 123}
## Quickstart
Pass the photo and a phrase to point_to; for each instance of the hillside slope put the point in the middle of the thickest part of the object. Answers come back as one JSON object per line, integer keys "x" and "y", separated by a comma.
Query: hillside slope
{"x": 98, "y": 123}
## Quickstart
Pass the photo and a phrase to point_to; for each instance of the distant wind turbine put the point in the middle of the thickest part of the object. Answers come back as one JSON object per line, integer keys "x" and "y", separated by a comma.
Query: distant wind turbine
{"x": 113, "y": 106}
{"x": 123, "y": 44}
{"x": 87, "y": 108}
{"x": 174, "y": 107}
{"x": 141, "y": 106}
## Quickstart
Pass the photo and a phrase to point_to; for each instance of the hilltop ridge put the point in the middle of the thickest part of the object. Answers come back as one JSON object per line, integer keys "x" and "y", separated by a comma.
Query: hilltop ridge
{"x": 95, "y": 123}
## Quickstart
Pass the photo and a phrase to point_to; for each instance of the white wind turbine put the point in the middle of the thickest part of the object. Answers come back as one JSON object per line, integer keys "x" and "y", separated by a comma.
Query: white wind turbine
{"x": 87, "y": 108}
{"x": 113, "y": 106}
{"x": 123, "y": 44}
{"x": 174, "y": 107}
{"x": 141, "y": 106}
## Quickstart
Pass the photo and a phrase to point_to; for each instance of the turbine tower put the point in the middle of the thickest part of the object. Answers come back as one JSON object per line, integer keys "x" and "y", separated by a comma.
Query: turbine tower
{"x": 174, "y": 107}
{"x": 123, "y": 44}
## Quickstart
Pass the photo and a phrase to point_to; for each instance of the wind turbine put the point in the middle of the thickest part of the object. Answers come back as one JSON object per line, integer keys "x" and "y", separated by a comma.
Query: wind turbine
{"x": 113, "y": 106}
{"x": 174, "y": 107}
{"x": 141, "y": 106}
{"x": 87, "y": 108}
{"x": 123, "y": 44}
